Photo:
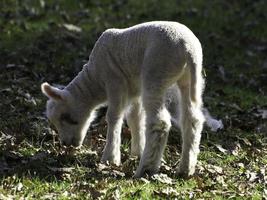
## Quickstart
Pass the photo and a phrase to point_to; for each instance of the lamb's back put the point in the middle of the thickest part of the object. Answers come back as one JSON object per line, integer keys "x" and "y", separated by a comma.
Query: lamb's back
{"x": 122, "y": 51}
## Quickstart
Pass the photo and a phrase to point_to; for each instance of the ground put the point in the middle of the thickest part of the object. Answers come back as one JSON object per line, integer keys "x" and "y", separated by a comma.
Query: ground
{"x": 51, "y": 40}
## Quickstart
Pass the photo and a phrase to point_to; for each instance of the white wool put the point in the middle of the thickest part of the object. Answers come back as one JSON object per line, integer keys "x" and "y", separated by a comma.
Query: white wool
{"x": 138, "y": 67}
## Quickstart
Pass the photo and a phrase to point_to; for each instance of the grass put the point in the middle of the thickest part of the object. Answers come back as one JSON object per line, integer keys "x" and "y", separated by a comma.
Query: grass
{"x": 36, "y": 47}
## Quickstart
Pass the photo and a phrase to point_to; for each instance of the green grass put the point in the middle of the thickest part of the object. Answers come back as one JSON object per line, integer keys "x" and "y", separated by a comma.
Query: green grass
{"x": 35, "y": 47}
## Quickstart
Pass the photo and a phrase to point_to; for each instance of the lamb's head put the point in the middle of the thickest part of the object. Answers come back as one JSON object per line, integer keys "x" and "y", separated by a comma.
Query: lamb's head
{"x": 63, "y": 114}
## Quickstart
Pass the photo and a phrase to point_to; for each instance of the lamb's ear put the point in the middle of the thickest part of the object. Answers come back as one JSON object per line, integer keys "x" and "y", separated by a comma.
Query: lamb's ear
{"x": 52, "y": 92}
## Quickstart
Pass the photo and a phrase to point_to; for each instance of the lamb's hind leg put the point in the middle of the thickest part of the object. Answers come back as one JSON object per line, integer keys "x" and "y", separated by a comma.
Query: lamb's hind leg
{"x": 136, "y": 122}
{"x": 191, "y": 121}
{"x": 158, "y": 123}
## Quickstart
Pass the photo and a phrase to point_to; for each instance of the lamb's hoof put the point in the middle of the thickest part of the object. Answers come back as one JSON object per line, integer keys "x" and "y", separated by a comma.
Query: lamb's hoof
{"x": 144, "y": 172}
{"x": 111, "y": 160}
{"x": 139, "y": 173}
{"x": 185, "y": 172}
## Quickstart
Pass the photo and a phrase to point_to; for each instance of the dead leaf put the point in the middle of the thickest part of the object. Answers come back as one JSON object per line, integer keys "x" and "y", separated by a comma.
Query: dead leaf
{"x": 115, "y": 195}
{"x": 117, "y": 173}
{"x": 251, "y": 176}
{"x": 71, "y": 27}
{"x": 19, "y": 187}
{"x": 242, "y": 189}
{"x": 96, "y": 194}
{"x": 6, "y": 90}
{"x": 10, "y": 65}
{"x": 168, "y": 192}
{"x": 213, "y": 169}
{"x": 111, "y": 170}
{"x": 66, "y": 194}
{"x": 49, "y": 196}
{"x": 235, "y": 150}
{"x": 101, "y": 166}
{"x": 165, "y": 168}
{"x": 8, "y": 197}
{"x": 162, "y": 178}
{"x": 241, "y": 165}
{"x": 200, "y": 182}
{"x": 144, "y": 180}
{"x": 61, "y": 169}
{"x": 220, "y": 179}
{"x": 263, "y": 113}
{"x": 245, "y": 140}
{"x": 263, "y": 175}
{"x": 236, "y": 107}
{"x": 221, "y": 149}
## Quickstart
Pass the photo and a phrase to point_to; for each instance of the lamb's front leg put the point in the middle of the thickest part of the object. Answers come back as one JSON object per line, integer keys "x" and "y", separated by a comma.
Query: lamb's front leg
{"x": 112, "y": 153}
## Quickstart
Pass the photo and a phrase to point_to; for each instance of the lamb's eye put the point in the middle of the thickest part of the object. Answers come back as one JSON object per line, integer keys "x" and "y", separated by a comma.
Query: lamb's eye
{"x": 67, "y": 118}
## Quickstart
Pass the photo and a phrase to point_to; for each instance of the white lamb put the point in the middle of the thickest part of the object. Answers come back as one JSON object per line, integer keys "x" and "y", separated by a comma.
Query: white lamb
{"x": 131, "y": 70}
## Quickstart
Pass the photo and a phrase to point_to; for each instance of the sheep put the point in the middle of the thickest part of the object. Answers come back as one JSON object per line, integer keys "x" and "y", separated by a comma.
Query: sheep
{"x": 131, "y": 71}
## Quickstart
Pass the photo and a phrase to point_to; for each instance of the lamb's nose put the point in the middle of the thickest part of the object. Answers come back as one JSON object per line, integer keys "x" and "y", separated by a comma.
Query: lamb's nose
{"x": 75, "y": 142}
{"x": 65, "y": 143}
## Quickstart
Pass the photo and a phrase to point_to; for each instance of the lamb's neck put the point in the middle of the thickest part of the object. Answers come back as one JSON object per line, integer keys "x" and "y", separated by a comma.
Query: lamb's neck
{"x": 86, "y": 90}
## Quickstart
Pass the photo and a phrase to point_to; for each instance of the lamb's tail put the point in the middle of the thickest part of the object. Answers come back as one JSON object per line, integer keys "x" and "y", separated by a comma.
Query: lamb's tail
{"x": 197, "y": 81}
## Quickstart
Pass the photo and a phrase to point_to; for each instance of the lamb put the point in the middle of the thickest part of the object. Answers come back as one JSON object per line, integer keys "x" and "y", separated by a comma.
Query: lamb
{"x": 131, "y": 70}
